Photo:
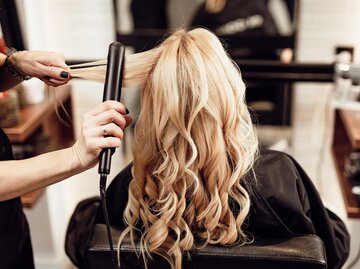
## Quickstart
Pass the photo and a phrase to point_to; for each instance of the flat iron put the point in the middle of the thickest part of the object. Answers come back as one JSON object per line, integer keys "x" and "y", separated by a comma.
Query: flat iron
{"x": 112, "y": 91}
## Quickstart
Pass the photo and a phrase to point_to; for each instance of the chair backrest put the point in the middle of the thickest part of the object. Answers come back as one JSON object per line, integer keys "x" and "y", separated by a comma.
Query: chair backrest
{"x": 305, "y": 251}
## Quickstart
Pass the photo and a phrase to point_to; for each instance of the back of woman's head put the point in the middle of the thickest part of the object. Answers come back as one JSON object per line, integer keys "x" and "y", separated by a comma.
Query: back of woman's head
{"x": 194, "y": 142}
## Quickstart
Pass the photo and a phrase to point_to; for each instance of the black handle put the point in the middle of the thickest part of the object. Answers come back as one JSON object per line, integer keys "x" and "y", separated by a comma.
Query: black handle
{"x": 112, "y": 91}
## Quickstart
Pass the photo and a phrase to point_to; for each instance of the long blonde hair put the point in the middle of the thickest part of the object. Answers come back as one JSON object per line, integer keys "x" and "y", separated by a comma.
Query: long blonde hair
{"x": 194, "y": 142}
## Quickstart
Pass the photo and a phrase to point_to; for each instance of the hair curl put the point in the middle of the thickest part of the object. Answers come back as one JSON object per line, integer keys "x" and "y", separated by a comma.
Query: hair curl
{"x": 194, "y": 142}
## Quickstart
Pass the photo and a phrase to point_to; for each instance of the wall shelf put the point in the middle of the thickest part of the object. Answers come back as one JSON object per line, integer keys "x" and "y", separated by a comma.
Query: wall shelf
{"x": 346, "y": 140}
{"x": 43, "y": 117}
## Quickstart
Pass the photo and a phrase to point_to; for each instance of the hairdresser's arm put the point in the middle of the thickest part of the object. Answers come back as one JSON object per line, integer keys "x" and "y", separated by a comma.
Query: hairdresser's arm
{"x": 22, "y": 176}
{"x": 50, "y": 67}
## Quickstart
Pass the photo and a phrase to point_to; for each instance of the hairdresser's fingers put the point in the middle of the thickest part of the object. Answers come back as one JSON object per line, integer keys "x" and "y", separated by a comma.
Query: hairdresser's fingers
{"x": 90, "y": 131}
{"x": 57, "y": 82}
{"x": 128, "y": 120}
{"x": 88, "y": 149}
{"x": 109, "y": 142}
{"x": 48, "y": 82}
{"x": 93, "y": 138}
{"x": 55, "y": 73}
{"x": 51, "y": 82}
{"x": 93, "y": 146}
{"x": 40, "y": 64}
{"x": 53, "y": 66}
{"x": 104, "y": 106}
{"x": 57, "y": 69}
{"x": 93, "y": 126}
{"x": 111, "y": 129}
{"x": 110, "y": 115}
{"x": 55, "y": 59}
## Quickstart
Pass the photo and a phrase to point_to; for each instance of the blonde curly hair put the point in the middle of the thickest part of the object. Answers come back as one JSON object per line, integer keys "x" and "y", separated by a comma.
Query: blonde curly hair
{"x": 194, "y": 143}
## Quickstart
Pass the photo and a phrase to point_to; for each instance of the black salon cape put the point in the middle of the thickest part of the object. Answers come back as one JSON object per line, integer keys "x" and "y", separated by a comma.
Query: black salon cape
{"x": 15, "y": 243}
{"x": 284, "y": 201}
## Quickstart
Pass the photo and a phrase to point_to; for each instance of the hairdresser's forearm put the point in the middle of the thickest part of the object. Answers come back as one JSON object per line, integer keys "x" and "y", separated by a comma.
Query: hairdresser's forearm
{"x": 20, "y": 177}
{"x": 7, "y": 81}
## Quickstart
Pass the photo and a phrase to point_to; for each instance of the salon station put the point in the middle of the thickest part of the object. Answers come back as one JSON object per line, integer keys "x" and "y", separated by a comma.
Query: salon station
{"x": 300, "y": 63}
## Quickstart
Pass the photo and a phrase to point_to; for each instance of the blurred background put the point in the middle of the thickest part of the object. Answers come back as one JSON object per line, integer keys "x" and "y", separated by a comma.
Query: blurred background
{"x": 303, "y": 116}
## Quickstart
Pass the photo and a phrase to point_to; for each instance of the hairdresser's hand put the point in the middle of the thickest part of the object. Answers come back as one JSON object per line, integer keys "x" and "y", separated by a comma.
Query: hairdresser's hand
{"x": 50, "y": 67}
{"x": 107, "y": 119}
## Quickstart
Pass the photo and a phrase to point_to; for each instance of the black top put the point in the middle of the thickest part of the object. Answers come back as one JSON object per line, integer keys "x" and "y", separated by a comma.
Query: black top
{"x": 15, "y": 246}
{"x": 284, "y": 201}
{"x": 149, "y": 14}
{"x": 237, "y": 17}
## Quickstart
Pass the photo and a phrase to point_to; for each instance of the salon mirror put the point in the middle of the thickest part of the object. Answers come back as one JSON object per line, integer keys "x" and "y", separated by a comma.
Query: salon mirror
{"x": 253, "y": 30}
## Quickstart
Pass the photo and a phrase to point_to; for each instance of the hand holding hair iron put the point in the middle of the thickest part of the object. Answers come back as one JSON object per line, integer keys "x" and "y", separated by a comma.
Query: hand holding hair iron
{"x": 112, "y": 91}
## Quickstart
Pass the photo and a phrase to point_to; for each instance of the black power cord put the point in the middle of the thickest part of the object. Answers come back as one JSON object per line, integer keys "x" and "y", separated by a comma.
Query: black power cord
{"x": 102, "y": 185}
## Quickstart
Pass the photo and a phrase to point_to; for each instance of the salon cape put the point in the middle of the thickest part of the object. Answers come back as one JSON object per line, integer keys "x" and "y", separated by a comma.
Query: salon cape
{"x": 284, "y": 201}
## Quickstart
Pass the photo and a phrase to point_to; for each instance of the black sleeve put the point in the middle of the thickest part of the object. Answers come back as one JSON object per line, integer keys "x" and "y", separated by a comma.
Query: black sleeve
{"x": 149, "y": 14}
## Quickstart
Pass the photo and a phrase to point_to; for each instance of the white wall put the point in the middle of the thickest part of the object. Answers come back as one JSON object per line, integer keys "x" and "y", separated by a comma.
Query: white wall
{"x": 81, "y": 29}
{"x": 326, "y": 24}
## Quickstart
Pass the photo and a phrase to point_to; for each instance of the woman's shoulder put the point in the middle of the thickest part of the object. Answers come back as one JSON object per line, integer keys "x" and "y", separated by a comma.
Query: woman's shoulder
{"x": 117, "y": 196}
{"x": 275, "y": 167}
{"x": 277, "y": 174}
{"x": 279, "y": 199}
{"x": 268, "y": 157}
{"x": 121, "y": 180}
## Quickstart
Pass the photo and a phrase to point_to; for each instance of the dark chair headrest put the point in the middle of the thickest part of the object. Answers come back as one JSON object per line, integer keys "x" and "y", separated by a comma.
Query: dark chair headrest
{"x": 297, "y": 252}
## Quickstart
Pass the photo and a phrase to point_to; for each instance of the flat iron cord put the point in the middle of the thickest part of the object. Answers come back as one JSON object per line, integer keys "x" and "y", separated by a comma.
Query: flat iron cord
{"x": 102, "y": 185}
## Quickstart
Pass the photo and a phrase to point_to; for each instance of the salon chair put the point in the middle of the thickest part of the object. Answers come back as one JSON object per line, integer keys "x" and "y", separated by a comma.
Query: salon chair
{"x": 291, "y": 253}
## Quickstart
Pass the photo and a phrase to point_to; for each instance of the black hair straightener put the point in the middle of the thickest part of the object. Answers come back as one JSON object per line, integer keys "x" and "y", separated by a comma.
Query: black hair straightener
{"x": 112, "y": 91}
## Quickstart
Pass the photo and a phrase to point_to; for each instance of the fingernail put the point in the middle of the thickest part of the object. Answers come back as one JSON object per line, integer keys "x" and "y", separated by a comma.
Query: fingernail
{"x": 64, "y": 74}
{"x": 127, "y": 111}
